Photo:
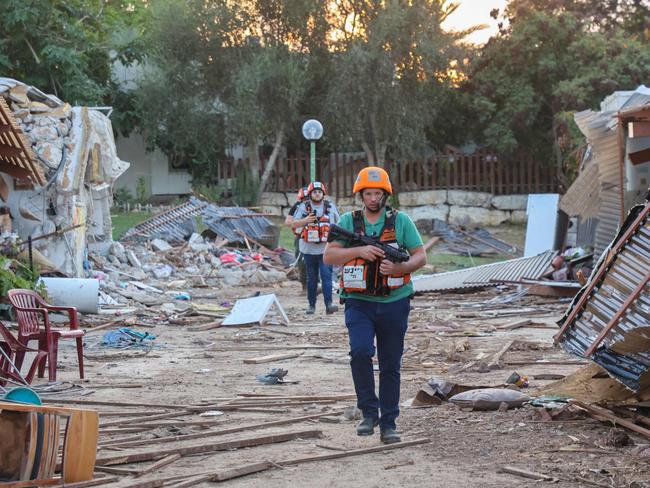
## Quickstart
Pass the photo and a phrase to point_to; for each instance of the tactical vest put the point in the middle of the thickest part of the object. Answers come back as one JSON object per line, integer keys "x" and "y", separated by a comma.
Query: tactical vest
{"x": 317, "y": 232}
{"x": 361, "y": 276}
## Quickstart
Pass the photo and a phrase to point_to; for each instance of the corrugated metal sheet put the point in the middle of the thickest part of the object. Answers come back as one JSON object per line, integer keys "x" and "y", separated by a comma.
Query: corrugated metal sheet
{"x": 604, "y": 145}
{"x": 228, "y": 222}
{"x": 177, "y": 224}
{"x": 583, "y": 196}
{"x": 171, "y": 225}
{"x": 609, "y": 319}
{"x": 586, "y": 232}
{"x": 486, "y": 275}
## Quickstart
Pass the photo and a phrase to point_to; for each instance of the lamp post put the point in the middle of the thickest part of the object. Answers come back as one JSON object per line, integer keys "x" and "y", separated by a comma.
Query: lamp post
{"x": 312, "y": 130}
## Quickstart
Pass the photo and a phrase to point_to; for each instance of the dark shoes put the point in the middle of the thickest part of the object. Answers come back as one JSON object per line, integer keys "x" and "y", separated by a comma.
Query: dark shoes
{"x": 367, "y": 426}
{"x": 311, "y": 310}
{"x": 388, "y": 436}
{"x": 330, "y": 309}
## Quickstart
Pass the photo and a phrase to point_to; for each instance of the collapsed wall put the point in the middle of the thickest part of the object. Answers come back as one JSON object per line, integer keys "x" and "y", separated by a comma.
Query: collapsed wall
{"x": 74, "y": 149}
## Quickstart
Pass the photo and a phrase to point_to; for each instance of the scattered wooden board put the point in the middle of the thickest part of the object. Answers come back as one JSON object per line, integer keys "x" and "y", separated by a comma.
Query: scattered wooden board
{"x": 272, "y": 357}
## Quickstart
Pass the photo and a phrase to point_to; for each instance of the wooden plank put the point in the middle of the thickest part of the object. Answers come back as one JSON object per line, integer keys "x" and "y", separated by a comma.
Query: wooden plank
{"x": 495, "y": 361}
{"x": 602, "y": 413}
{"x": 76, "y": 401}
{"x": 153, "y": 417}
{"x": 515, "y": 325}
{"x": 525, "y": 474}
{"x": 158, "y": 464}
{"x": 272, "y": 357}
{"x": 209, "y": 447}
{"x": 353, "y": 452}
{"x": 232, "y": 430}
{"x": 94, "y": 482}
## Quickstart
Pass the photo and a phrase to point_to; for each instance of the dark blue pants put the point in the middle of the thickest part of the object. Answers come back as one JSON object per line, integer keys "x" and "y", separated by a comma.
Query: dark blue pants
{"x": 387, "y": 322}
{"x": 314, "y": 264}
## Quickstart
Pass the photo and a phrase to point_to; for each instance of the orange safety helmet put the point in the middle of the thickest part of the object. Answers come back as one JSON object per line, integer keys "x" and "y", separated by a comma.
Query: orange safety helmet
{"x": 316, "y": 185}
{"x": 302, "y": 193}
{"x": 372, "y": 177}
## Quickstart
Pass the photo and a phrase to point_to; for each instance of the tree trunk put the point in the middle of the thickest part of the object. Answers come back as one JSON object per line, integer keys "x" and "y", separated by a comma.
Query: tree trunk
{"x": 254, "y": 160}
{"x": 270, "y": 164}
{"x": 381, "y": 154}
{"x": 370, "y": 156}
{"x": 559, "y": 160}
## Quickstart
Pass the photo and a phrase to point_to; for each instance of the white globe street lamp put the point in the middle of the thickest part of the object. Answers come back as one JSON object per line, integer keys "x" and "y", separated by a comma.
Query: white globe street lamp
{"x": 312, "y": 130}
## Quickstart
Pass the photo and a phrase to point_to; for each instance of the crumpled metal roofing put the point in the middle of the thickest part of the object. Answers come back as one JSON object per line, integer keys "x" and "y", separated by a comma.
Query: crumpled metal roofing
{"x": 487, "y": 274}
{"x": 609, "y": 319}
{"x": 177, "y": 224}
{"x": 227, "y": 222}
{"x": 171, "y": 225}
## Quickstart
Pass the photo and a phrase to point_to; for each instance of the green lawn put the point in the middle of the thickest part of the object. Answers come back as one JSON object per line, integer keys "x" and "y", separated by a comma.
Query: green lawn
{"x": 286, "y": 237}
{"x": 124, "y": 221}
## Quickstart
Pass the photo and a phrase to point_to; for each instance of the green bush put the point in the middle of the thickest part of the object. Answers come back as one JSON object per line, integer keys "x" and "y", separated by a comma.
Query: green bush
{"x": 141, "y": 190}
{"x": 246, "y": 188}
{"x": 123, "y": 195}
{"x": 211, "y": 193}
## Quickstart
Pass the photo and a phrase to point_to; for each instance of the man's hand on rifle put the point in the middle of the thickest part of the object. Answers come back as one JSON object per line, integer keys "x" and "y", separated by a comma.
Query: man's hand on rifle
{"x": 387, "y": 267}
{"x": 370, "y": 253}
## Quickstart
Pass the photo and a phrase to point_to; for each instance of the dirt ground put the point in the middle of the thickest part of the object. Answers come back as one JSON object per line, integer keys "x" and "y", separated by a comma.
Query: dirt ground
{"x": 464, "y": 448}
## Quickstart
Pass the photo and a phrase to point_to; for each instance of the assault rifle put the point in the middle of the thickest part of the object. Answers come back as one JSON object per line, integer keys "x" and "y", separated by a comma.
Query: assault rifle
{"x": 393, "y": 254}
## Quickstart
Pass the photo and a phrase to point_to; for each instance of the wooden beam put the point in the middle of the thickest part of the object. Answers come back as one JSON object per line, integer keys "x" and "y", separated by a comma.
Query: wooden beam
{"x": 158, "y": 464}
{"x": 602, "y": 413}
{"x": 232, "y": 430}
{"x": 272, "y": 357}
{"x": 352, "y": 452}
{"x": 210, "y": 447}
{"x": 494, "y": 362}
{"x": 515, "y": 325}
{"x": 525, "y": 474}
{"x": 139, "y": 419}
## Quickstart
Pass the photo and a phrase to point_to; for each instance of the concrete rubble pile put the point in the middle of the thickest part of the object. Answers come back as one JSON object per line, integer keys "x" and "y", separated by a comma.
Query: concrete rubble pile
{"x": 155, "y": 272}
{"x": 75, "y": 156}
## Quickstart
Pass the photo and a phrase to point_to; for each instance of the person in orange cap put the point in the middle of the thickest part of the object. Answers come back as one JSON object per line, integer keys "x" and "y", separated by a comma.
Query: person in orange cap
{"x": 377, "y": 295}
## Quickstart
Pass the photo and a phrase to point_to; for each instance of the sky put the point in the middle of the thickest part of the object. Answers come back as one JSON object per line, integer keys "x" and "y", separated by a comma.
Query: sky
{"x": 473, "y": 12}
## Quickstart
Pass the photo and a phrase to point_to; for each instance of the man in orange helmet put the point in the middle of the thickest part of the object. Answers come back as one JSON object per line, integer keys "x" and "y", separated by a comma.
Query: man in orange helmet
{"x": 377, "y": 295}
{"x": 314, "y": 217}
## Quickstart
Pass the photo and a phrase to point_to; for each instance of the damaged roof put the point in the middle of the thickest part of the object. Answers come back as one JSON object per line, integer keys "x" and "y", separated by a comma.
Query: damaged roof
{"x": 486, "y": 275}
{"x": 16, "y": 155}
{"x": 177, "y": 224}
{"x": 609, "y": 319}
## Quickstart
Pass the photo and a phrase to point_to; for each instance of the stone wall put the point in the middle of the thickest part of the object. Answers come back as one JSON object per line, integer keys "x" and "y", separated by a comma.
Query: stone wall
{"x": 453, "y": 206}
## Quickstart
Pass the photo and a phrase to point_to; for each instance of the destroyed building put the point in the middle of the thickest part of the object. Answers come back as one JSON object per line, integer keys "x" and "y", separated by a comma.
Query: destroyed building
{"x": 615, "y": 171}
{"x": 58, "y": 164}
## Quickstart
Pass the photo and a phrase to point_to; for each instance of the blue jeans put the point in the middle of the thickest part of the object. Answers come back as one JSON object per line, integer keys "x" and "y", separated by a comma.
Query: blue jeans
{"x": 314, "y": 264}
{"x": 388, "y": 323}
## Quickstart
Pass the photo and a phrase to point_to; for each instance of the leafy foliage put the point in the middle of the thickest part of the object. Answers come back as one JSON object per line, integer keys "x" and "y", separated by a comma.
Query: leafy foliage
{"x": 66, "y": 47}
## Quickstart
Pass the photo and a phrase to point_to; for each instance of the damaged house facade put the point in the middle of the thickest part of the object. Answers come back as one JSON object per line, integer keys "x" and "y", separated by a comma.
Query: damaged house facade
{"x": 615, "y": 172}
{"x": 58, "y": 165}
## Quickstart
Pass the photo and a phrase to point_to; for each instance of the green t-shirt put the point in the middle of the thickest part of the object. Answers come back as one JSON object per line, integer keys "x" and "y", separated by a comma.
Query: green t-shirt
{"x": 407, "y": 236}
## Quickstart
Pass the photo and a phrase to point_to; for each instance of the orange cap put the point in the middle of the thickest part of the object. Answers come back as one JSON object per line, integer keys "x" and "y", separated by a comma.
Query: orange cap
{"x": 372, "y": 177}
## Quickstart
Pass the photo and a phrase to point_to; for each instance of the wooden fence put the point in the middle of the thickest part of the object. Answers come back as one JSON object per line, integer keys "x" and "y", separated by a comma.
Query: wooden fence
{"x": 481, "y": 172}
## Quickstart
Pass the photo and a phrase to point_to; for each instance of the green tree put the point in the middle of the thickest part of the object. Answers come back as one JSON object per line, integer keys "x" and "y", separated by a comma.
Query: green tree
{"x": 549, "y": 60}
{"x": 391, "y": 67}
{"x": 66, "y": 47}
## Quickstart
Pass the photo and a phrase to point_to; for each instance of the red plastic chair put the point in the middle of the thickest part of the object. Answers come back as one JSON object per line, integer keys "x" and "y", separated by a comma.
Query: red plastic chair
{"x": 10, "y": 345}
{"x": 30, "y": 308}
